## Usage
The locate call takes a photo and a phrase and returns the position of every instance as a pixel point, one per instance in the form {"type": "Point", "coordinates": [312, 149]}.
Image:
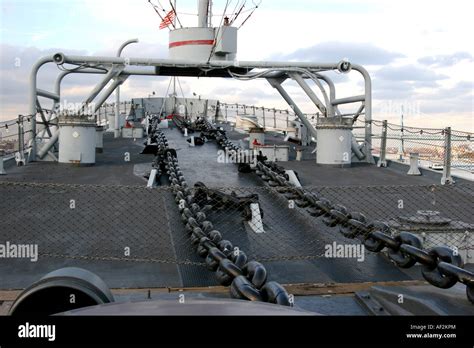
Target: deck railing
{"type": "Point", "coordinates": [443, 149]}
{"type": "Point", "coordinates": [437, 148]}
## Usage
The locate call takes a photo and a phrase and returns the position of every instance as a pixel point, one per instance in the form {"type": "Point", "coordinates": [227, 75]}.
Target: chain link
{"type": "Point", "coordinates": [247, 279]}
{"type": "Point", "coordinates": [122, 259]}
{"type": "Point", "coordinates": [442, 266]}
{"type": "Point", "coordinates": [405, 249]}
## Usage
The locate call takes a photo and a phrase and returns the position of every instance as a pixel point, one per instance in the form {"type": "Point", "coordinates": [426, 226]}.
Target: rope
{"type": "Point", "coordinates": [163, 104]}
{"type": "Point", "coordinates": [217, 33]}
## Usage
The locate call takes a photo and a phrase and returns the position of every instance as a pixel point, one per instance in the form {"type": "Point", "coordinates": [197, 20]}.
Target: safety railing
{"type": "Point", "coordinates": [107, 111]}
{"type": "Point", "coordinates": [270, 118]}
{"type": "Point", "coordinates": [446, 150]}
{"type": "Point", "coordinates": [15, 136]}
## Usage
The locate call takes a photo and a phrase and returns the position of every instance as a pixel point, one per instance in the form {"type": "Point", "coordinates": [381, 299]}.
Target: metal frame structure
{"type": "Point", "coordinates": [117, 92]}
{"type": "Point", "coordinates": [447, 178]}
{"type": "Point", "coordinates": [118, 69]}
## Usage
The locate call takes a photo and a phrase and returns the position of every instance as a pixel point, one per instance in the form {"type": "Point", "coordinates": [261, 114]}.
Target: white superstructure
{"type": "Point", "coordinates": [204, 42]}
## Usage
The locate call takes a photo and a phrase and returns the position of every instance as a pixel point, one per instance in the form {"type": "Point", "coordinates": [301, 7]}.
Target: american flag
{"type": "Point", "coordinates": [169, 18]}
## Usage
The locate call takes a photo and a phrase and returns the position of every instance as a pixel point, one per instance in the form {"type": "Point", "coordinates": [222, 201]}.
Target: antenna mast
{"type": "Point", "coordinates": [210, 14]}
{"type": "Point", "coordinates": [203, 14]}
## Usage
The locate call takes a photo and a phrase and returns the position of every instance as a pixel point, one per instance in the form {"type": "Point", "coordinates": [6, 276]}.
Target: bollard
{"type": "Point", "coordinates": [414, 164]}
{"type": "Point", "coordinates": [2, 168]}
{"type": "Point", "coordinates": [299, 154]}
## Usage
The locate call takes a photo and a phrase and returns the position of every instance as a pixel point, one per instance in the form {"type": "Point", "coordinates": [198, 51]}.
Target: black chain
{"type": "Point", "coordinates": [443, 267]}
{"type": "Point", "coordinates": [247, 279]}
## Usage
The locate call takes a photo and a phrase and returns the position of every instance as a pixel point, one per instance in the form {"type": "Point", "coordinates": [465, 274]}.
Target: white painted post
{"type": "Point", "coordinates": [152, 178]}
{"type": "Point", "coordinates": [256, 223]}
{"type": "Point", "coordinates": [292, 178]}
{"type": "Point", "coordinates": [299, 154]}
{"type": "Point", "coordinates": [383, 147]}
{"type": "Point", "coordinates": [447, 178]}
{"type": "Point", "coordinates": [2, 168]}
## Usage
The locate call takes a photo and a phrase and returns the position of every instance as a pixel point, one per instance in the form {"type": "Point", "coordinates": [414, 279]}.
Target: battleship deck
{"type": "Point", "coordinates": [114, 210]}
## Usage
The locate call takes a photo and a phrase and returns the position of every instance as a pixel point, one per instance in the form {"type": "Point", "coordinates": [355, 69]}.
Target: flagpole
{"type": "Point", "coordinates": [175, 14]}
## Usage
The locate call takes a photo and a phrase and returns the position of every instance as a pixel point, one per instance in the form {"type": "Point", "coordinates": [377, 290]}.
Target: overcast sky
{"type": "Point", "coordinates": [419, 53]}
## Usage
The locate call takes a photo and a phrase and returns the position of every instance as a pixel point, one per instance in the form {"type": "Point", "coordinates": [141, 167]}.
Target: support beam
{"type": "Point", "coordinates": [55, 136]}
{"type": "Point", "coordinates": [46, 94]}
{"type": "Point", "coordinates": [113, 72]}
{"type": "Point", "coordinates": [33, 94]}
{"type": "Point", "coordinates": [43, 118]}
{"type": "Point", "coordinates": [151, 67]}
{"type": "Point", "coordinates": [358, 112]}
{"type": "Point", "coordinates": [368, 110]}
{"type": "Point", "coordinates": [356, 149]}
{"type": "Point", "coordinates": [353, 99]}
{"type": "Point", "coordinates": [331, 110]}
{"type": "Point", "coordinates": [299, 79]}
{"type": "Point", "coordinates": [117, 92]}
{"type": "Point", "coordinates": [194, 64]}
{"type": "Point", "coordinates": [103, 97]}
{"type": "Point", "coordinates": [276, 83]}
{"type": "Point", "coordinates": [330, 83]}
{"type": "Point", "coordinates": [44, 150]}
{"type": "Point", "coordinates": [62, 75]}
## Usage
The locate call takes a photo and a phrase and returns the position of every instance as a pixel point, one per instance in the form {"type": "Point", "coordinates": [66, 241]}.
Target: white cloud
{"type": "Point", "coordinates": [333, 51]}
{"type": "Point", "coordinates": [444, 60]}
{"type": "Point", "coordinates": [404, 34]}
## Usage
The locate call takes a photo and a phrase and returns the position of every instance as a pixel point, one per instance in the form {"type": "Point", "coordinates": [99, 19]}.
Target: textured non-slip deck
{"type": "Point", "coordinates": [132, 236]}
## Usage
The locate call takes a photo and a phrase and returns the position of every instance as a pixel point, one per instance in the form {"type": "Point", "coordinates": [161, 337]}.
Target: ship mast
{"type": "Point", "coordinates": [203, 14]}
{"type": "Point", "coordinates": [174, 77]}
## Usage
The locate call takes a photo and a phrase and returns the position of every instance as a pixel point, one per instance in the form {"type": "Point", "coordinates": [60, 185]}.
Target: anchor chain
{"type": "Point", "coordinates": [443, 267]}
{"type": "Point", "coordinates": [247, 279]}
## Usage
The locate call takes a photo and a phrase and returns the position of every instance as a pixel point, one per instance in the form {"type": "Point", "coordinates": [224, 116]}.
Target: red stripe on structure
{"type": "Point", "coordinates": [191, 42]}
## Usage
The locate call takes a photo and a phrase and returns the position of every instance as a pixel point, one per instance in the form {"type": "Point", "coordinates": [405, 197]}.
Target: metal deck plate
{"type": "Point", "coordinates": [108, 219]}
